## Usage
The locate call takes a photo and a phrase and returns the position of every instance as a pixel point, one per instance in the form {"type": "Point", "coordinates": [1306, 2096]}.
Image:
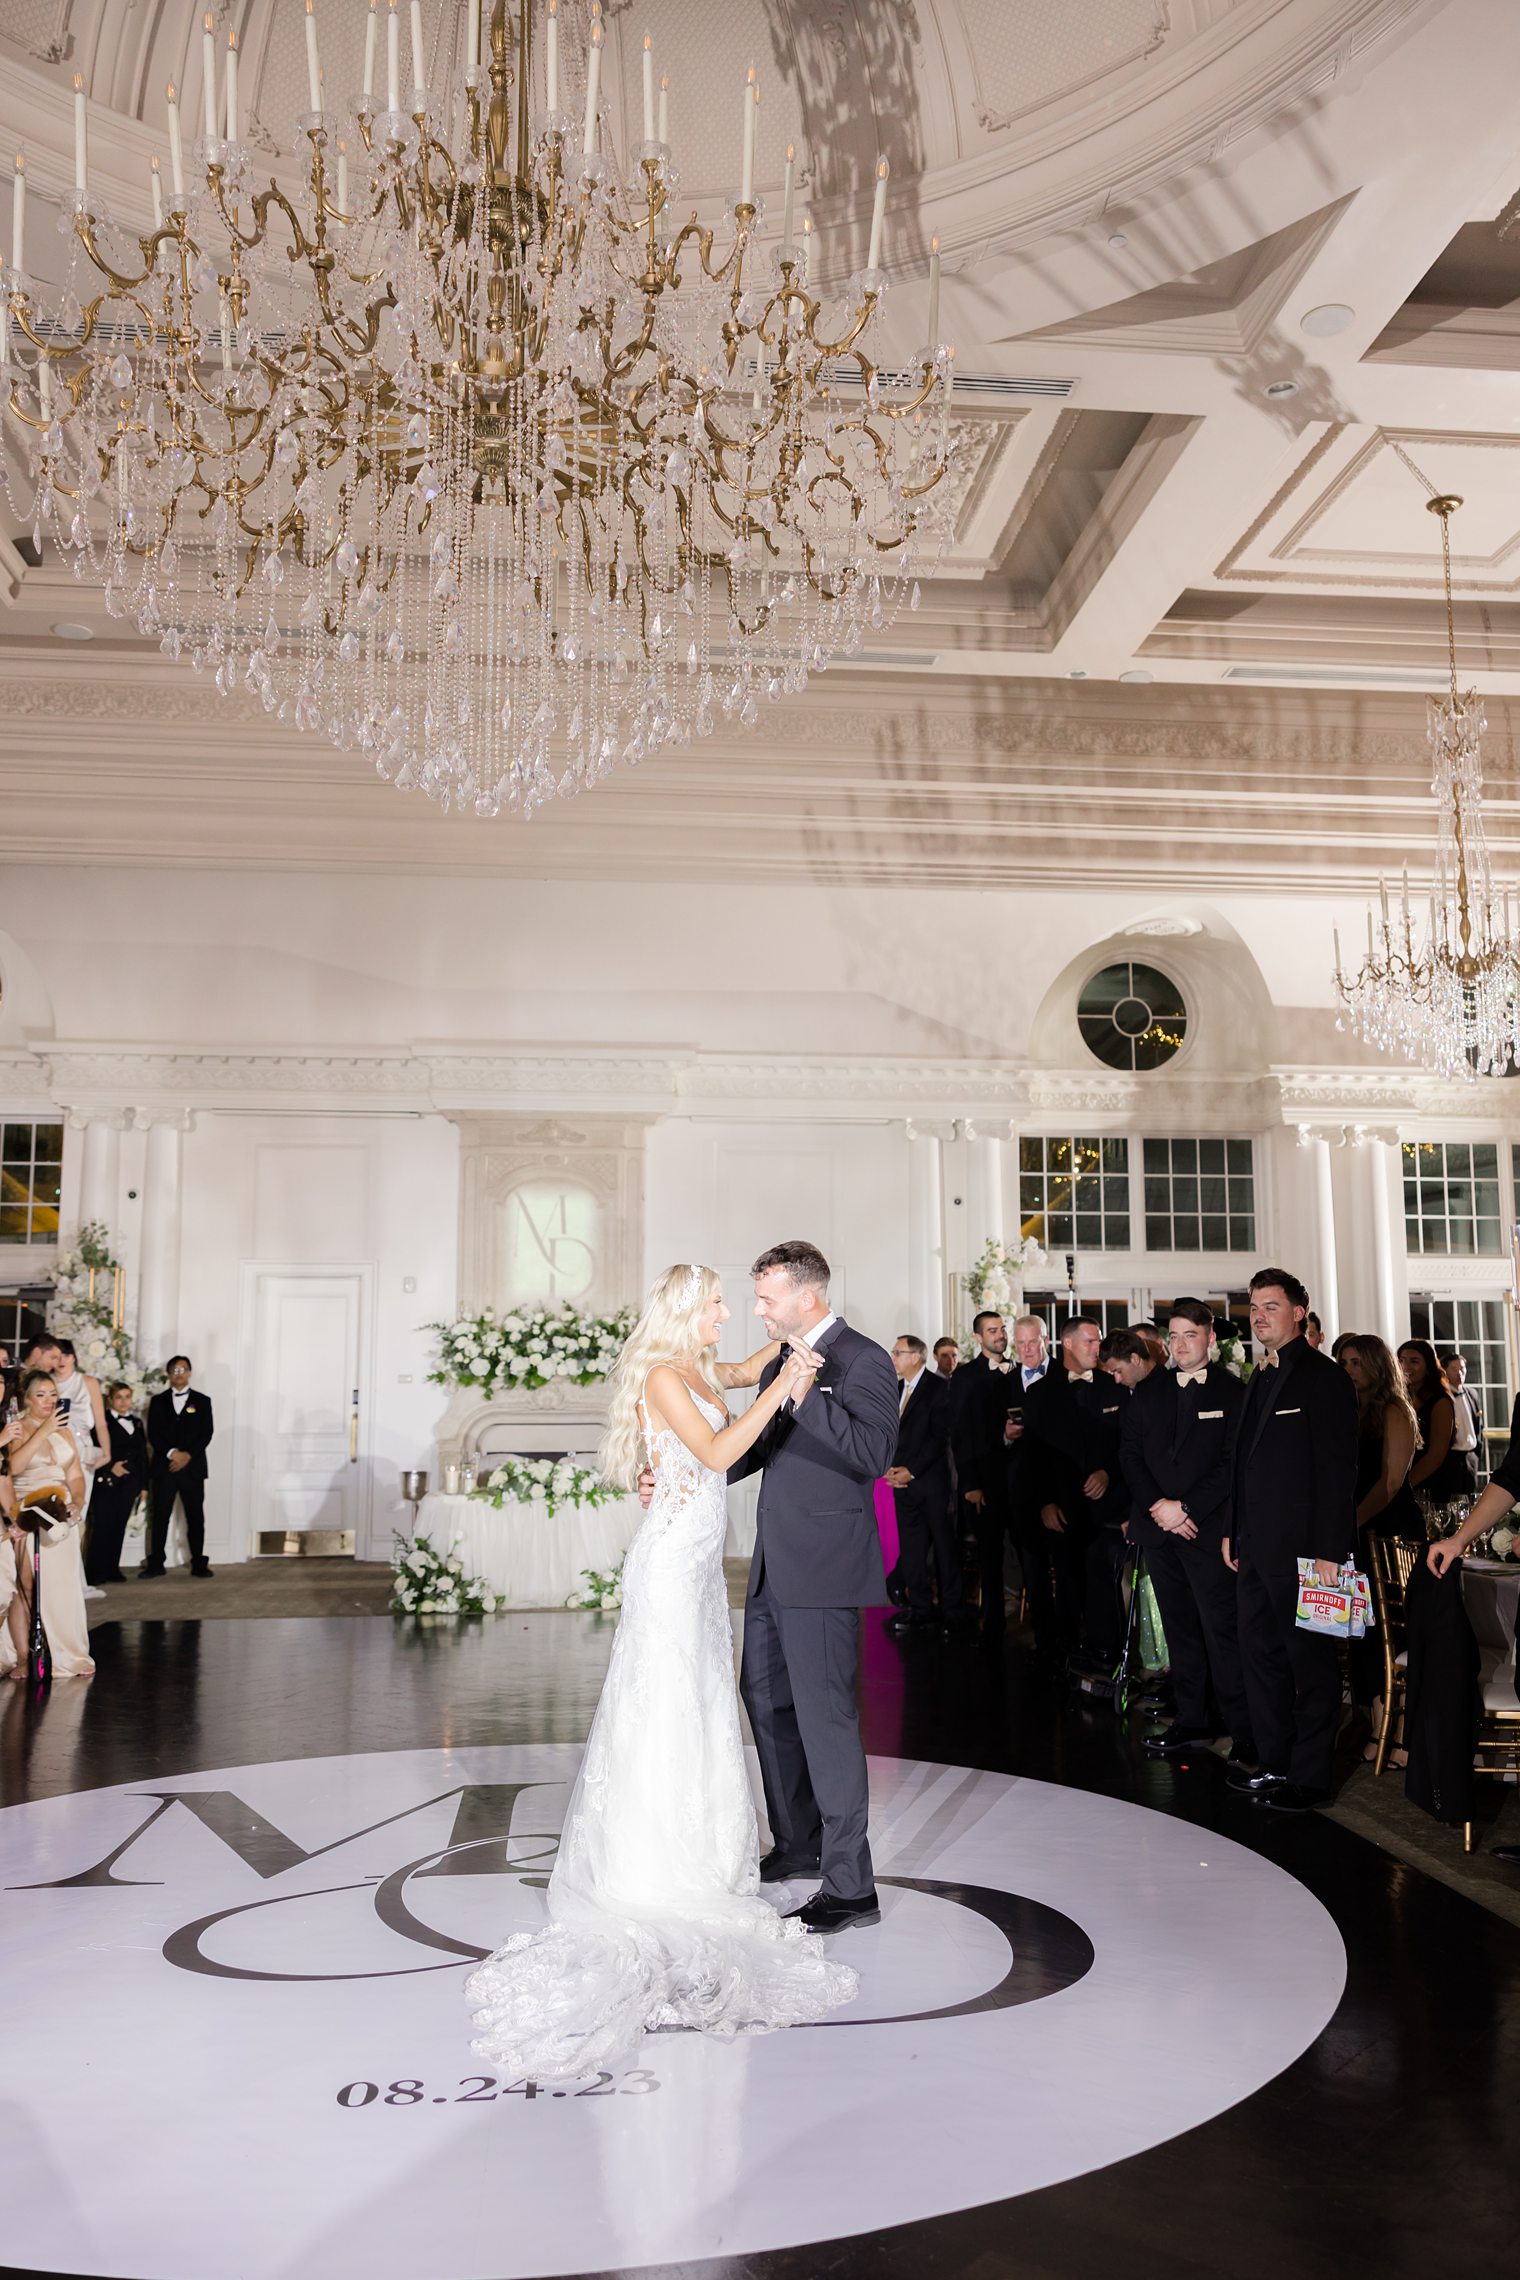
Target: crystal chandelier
{"type": "Point", "coordinates": [473, 456]}
{"type": "Point", "coordinates": [1451, 1002]}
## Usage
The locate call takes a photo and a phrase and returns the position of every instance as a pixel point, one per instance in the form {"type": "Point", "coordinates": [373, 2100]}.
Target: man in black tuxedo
{"type": "Point", "coordinates": [1175, 1450]}
{"type": "Point", "coordinates": [1073, 1417]}
{"type": "Point", "coordinates": [981, 1397]}
{"type": "Point", "coordinates": [817, 1563]}
{"type": "Point", "coordinates": [179, 1434]}
{"type": "Point", "coordinates": [919, 1477]}
{"type": "Point", "coordinates": [116, 1487]}
{"type": "Point", "coordinates": [1031, 1350]}
{"type": "Point", "coordinates": [1467, 1436]}
{"type": "Point", "coordinates": [1293, 1497]}
{"type": "Point", "coordinates": [947, 1358]}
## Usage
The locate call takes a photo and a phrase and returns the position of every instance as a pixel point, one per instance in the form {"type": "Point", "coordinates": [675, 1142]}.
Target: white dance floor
{"type": "Point", "coordinates": [237, 2047]}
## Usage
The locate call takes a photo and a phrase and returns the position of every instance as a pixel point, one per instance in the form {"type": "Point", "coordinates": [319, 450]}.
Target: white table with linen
{"type": "Point", "coordinates": [1491, 1597]}
{"type": "Point", "coordinates": [534, 1559]}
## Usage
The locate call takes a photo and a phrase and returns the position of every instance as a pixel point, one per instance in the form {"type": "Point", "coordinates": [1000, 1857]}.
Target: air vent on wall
{"type": "Point", "coordinates": [987, 387]}
{"type": "Point", "coordinates": [1331, 676]}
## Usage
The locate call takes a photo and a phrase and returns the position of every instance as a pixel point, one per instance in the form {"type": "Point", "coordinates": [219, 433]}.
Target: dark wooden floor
{"type": "Point", "coordinates": [1391, 2147]}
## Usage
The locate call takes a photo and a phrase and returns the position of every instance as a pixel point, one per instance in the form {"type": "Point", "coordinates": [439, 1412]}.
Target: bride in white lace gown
{"type": "Point", "coordinates": [656, 1917]}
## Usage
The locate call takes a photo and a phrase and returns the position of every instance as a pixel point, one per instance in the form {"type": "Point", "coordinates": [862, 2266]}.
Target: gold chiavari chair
{"type": "Point", "coordinates": [1391, 1564]}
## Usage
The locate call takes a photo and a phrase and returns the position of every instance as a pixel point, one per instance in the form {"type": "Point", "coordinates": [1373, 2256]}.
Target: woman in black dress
{"type": "Point", "coordinates": [1440, 1477]}
{"type": "Point", "coordinates": [1387, 1448]}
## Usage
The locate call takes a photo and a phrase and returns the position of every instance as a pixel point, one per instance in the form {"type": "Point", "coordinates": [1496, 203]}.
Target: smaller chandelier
{"type": "Point", "coordinates": [1450, 1000]}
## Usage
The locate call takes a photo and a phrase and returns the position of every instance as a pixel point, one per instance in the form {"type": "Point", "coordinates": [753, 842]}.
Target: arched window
{"type": "Point", "coordinates": [1132, 1016]}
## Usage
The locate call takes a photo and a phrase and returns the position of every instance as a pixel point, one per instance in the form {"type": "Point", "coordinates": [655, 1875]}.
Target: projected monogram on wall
{"type": "Point", "coordinates": [550, 1213]}
{"type": "Point", "coordinates": [1048, 1951]}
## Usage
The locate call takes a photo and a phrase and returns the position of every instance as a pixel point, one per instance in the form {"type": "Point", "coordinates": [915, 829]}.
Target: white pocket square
{"type": "Point", "coordinates": [1287, 1413]}
{"type": "Point", "coordinates": [1203, 1413]}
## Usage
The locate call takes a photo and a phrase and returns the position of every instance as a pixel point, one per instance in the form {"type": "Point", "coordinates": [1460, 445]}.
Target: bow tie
{"type": "Point", "coordinates": [1002, 1368]}
{"type": "Point", "coordinates": [1192, 1377]}
{"type": "Point", "coordinates": [1080, 1377]}
{"type": "Point", "coordinates": [1269, 1361]}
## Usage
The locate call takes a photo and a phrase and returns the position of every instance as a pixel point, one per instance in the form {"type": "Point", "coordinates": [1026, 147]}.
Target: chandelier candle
{"type": "Point", "coordinates": [314, 61]}
{"type": "Point", "coordinates": [648, 89]}
{"type": "Point", "coordinates": [80, 138]}
{"type": "Point", "coordinates": [18, 214]}
{"type": "Point", "coordinates": [419, 76]}
{"type": "Point", "coordinates": [501, 471]}
{"type": "Point", "coordinates": [176, 150]}
{"type": "Point", "coordinates": [208, 74]}
{"type": "Point", "coordinates": [156, 184]}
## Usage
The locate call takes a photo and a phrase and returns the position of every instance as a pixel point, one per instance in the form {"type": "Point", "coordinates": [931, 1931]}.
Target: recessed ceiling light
{"type": "Point", "coordinates": [1118, 240]}
{"type": "Point", "coordinates": [67, 629]}
{"type": "Point", "coordinates": [1329, 318]}
{"type": "Point", "coordinates": [1138, 675]}
{"type": "Point", "coordinates": [1077, 673]}
{"type": "Point", "coordinates": [1281, 388]}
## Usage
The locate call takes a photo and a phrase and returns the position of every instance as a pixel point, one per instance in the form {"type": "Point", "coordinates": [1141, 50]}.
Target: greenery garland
{"type": "Point", "coordinates": [528, 1348]}
{"type": "Point", "coordinates": [550, 1481]}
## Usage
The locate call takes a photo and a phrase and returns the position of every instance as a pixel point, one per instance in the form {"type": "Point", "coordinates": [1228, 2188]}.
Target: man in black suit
{"type": "Point", "coordinates": [1031, 1361]}
{"type": "Point", "coordinates": [179, 1434]}
{"type": "Point", "coordinates": [1072, 1417]}
{"type": "Point", "coordinates": [1293, 1497]}
{"type": "Point", "coordinates": [947, 1358]}
{"type": "Point", "coordinates": [117, 1485]}
{"type": "Point", "coordinates": [981, 1397]}
{"type": "Point", "coordinates": [1467, 1435]}
{"type": "Point", "coordinates": [1175, 1450]}
{"type": "Point", "coordinates": [919, 1477]}
{"type": "Point", "coordinates": [817, 1563]}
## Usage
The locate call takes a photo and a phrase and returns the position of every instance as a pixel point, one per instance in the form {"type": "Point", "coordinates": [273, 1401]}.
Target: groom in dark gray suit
{"type": "Point", "coordinates": [817, 1563]}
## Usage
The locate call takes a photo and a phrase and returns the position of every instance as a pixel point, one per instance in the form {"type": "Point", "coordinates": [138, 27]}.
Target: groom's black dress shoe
{"type": "Point", "coordinates": [777, 1869]}
{"type": "Point", "coordinates": [822, 1914]}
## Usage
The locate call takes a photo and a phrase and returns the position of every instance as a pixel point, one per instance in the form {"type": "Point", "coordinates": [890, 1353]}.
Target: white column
{"type": "Point", "coordinates": [987, 1156]}
{"type": "Point", "coordinates": [926, 1234]}
{"type": "Point", "coordinates": [1303, 1233]}
{"type": "Point", "coordinates": [1323, 1279]}
{"type": "Point", "coordinates": [1390, 1241]}
{"type": "Point", "coordinates": [158, 1290]}
{"type": "Point", "coordinates": [100, 1170]}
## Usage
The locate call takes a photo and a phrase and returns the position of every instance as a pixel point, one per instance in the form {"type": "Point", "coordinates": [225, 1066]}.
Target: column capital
{"type": "Point", "coordinates": [928, 1128]}
{"type": "Point", "coordinates": [173, 1119]}
{"type": "Point", "coordinates": [112, 1119]}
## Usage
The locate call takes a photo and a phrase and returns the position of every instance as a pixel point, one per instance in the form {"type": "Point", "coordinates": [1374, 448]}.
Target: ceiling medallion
{"type": "Point", "coordinates": [1451, 1000]}
{"type": "Point", "coordinates": [471, 455]}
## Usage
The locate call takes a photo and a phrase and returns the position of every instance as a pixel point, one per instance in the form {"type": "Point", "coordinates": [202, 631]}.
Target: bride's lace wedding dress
{"type": "Point", "coordinates": [655, 1912]}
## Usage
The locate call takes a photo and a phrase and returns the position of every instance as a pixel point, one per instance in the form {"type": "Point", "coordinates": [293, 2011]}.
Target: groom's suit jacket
{"type": "Point", "coordinates": [816, 1541]}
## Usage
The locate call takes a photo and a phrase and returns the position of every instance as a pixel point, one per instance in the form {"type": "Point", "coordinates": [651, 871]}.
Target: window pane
{"type": "Point", "coordinates": [1239, 1155]}
{"type": "Point", "coordinates": [1156, 1155]}
{"type": "Point", "coordinates": [1242, 1234]}
{"type": "Point", "coordinates": [1118, 1240]}
{"type": "Point", "coordinates": [13, 1218]}
{"type": "Point", "coordinates": [1213, 1232]}
{"type": "Point", "coordinates": [1158, 1234]}
{"type": "Point", "coordinates": [49, 1143]}
{"type": "Point", "coordinates": [1211, 1155]}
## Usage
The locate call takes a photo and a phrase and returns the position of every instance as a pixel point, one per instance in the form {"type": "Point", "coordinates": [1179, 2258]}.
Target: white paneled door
{"type": "Point", "coordinates": [303, 1382]}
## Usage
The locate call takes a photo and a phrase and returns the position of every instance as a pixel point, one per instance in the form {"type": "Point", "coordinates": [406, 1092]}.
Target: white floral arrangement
{"type": "Point", "coordinates": [83, 1307]}
{"type": "Point", "coordinates": [994, 1280]}
{"type": "Point", "coordinates": [1504, 1542]}
{"type": "Point", "coordinates": [598, 1590]}
{"type": "Point", "coordinates": [430, 1582]}
{"type": "Point", "coordinates": [1230, 1352]}
{"type": "Point", "coordinates": [528, 1348]}
{"type": "Point", "coordinates": [549, 1481]}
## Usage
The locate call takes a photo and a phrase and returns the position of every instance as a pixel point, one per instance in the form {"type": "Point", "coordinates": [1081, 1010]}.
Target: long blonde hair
{"type": "Point", "coordinates": [666, 1331]}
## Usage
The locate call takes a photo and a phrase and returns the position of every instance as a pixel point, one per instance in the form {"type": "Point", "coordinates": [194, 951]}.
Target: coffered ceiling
{"type": "Point", "coordinates": [1234, 287]}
